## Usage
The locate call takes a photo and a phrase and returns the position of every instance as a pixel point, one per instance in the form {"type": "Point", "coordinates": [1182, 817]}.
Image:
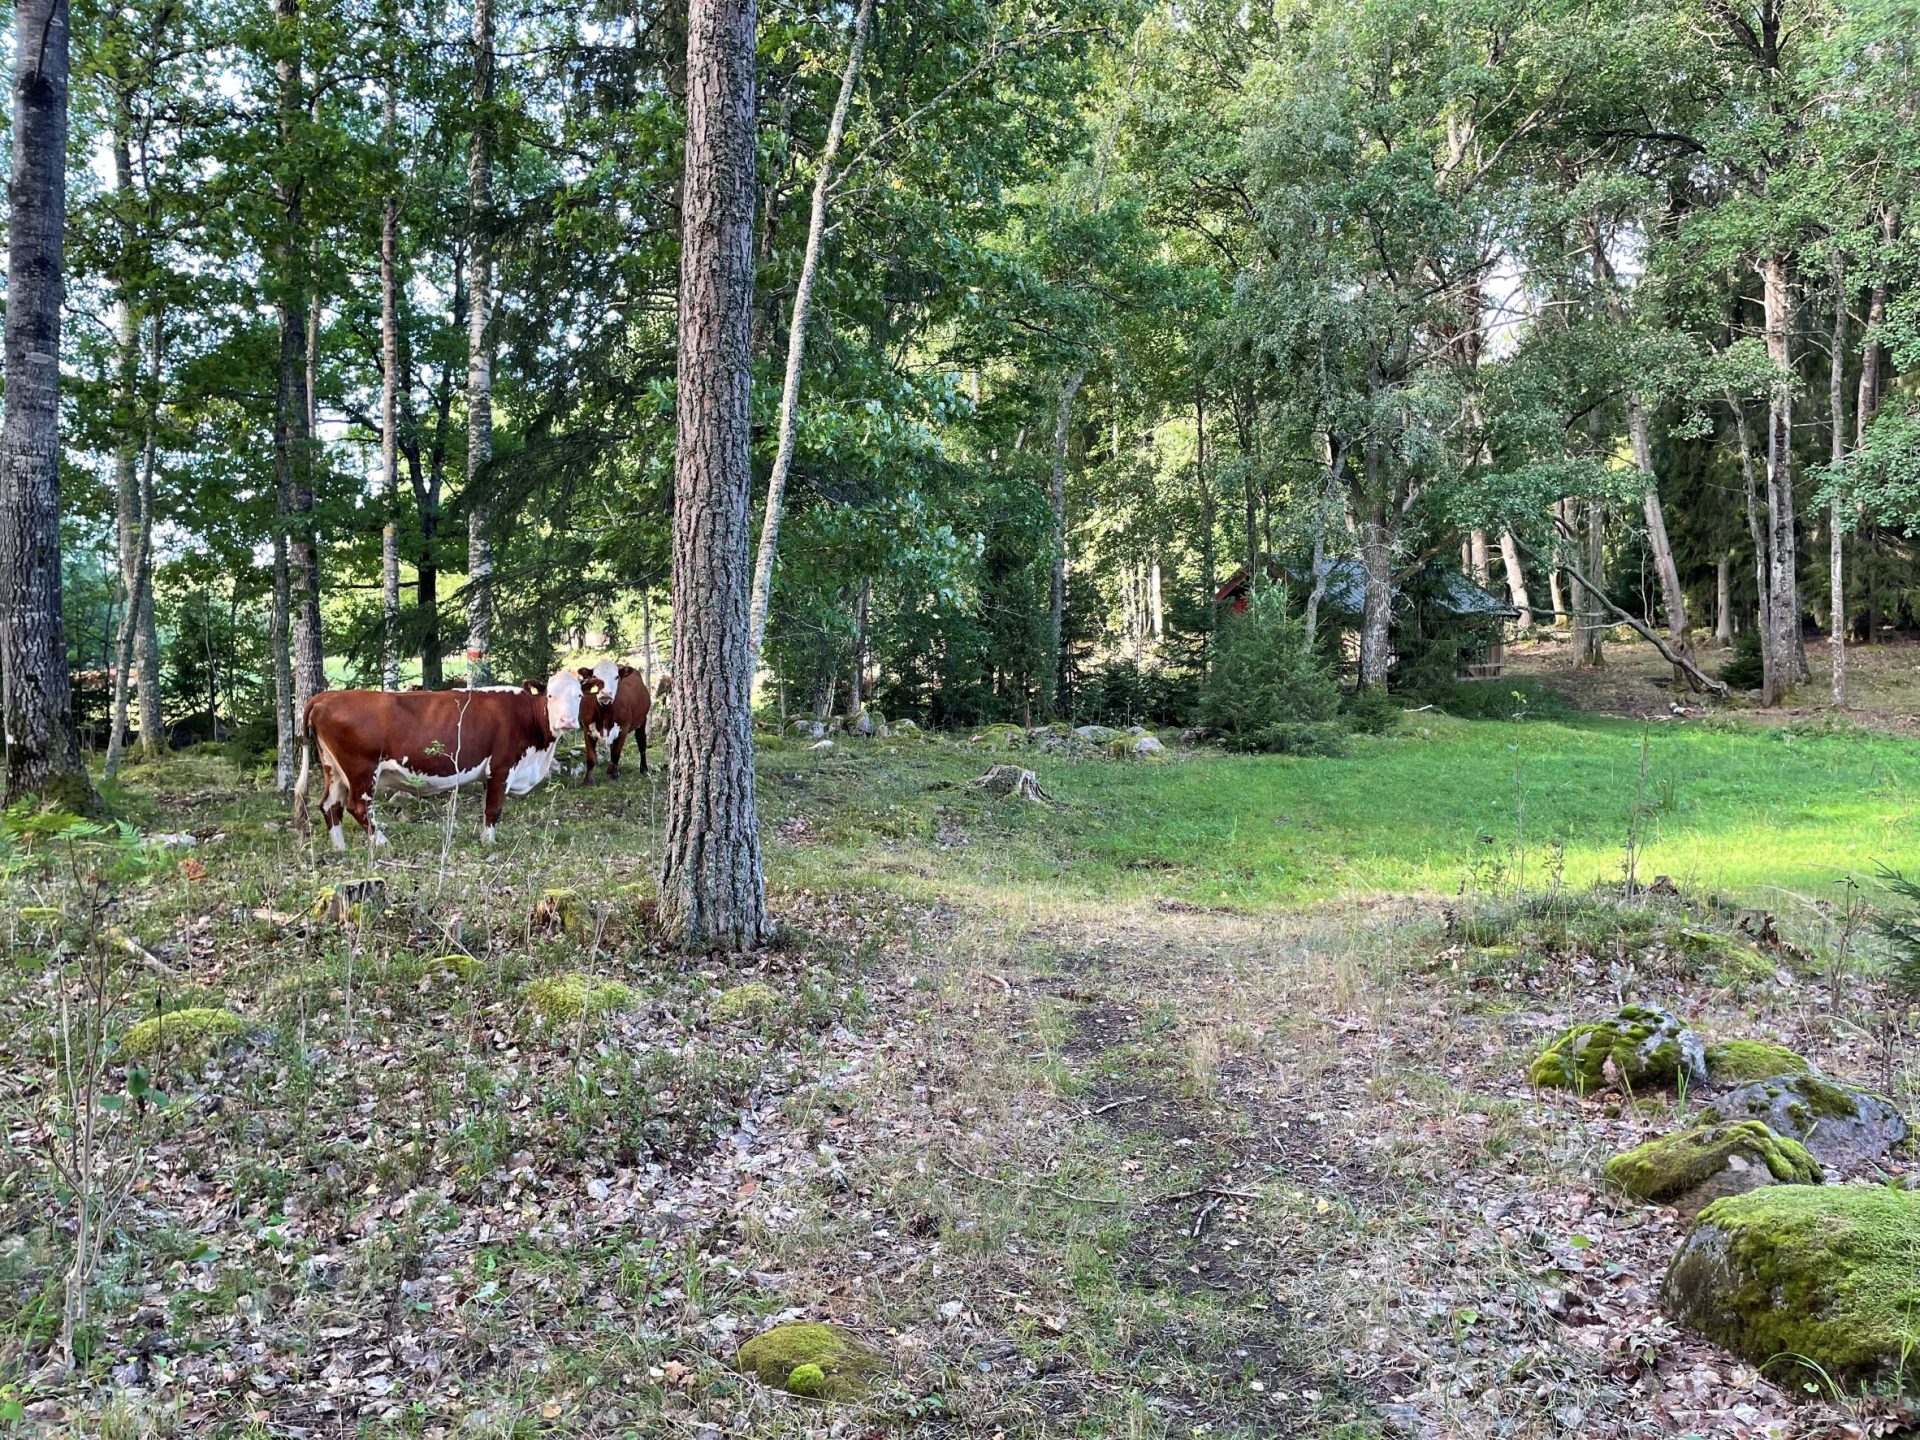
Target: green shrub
{"type": "Point", "coordinates": [1504, 699]}
{"type": "Point", "coordinates": [1267, 692]}
{"type": "Point", "coordinates": [1369, 710]}
{"type": "Point", "coordinates": [1745, 670]}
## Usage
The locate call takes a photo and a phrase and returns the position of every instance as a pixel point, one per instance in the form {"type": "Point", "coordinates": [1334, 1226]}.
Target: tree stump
{"type": "Point", "coordinates": [1012, 780]}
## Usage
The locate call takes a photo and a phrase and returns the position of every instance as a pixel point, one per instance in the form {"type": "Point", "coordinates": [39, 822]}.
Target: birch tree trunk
{"type": "Point", "coordinates": [390, 395]}
{"type": "Point", "coordinates": [1673, 596]}
{"type": "Point", "coordinates": [1477, 557]}
{"type": "Point", "coordinates": [1757, 532]}
{"type": "Point", "coordinates": [1556, 596]}
{"type": "Point", "coordinates": [128, 529]}
{"type": "Point", "coordinates": [1329, 499]}
{"type": "Point", "coordinates": [1516, 579]}
{"type": "Point", "coordinates": [1376, 560]}
{"type": "Point", "coordinates": [712, 895]}
{"type": "Point", "coordinates": [1057, 589]}
{"type": "Point", "coordinates": [1591, 627]}
{"type": "Point", "coordinates": [1836, 514]}
{"type": "Point", "coordinates": [480, 348]}
{"type": "Point", "coordinates": [129, 646]}
{"type": "Point", "coordinates": [43, 747]}
{"type": "Point", "coordinates": [1723, 601]}
{"type": "Point", "coordinates": [1783, 580]}
{"type": "Point", "coordinates": [797, 337]}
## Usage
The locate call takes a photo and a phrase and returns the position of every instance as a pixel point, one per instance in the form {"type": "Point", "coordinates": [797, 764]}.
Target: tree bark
{"type": "Point", "coordinates": [1477, 564]}
{"type": "Point", "coordinates": [390, 387]}
{"type": "Point", "coordinates": [1555, 596]}
{"type": "Point", "coordinates": [711, 891]}
{"type": "Point", "coordinates": [1836, 515]}
{"type": "Point", "coordinates": [1376, 560]}
{"type": "Point", "coordinates": [1756, 531]}
{"type": "Point", "coordinates": [1057, 589]}
{"type": "Point", "coordinates": [480, 348]}
{"type": "Point", "coordinates": [1209, 575]}
{"type": "Point", "coordinates": [1673, 595]}
{"type": "Point", "coordinates": [1516, 579]}
{"type": "Point", "coordinates": [1783, 580]}
{"type": "Point", "coordinates": [43, 747]}
{"type": "Point", "coordinates": [797, 336]}
{"type": "Point", "coordinates": [1723, 601]}
{"type": "Point", "coordinates": [1329, 498]}
{"type": "Point", "coordinates": [133, 647]}
{"type": "Point", "coordinates": [1591, 629]}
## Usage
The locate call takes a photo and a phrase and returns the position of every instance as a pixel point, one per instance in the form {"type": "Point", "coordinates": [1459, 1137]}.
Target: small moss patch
{"type": "Point", "coordinates": [557, 999]}
{"type": "Point", "coordinates": [1735, 1062]}
{"type": "Point", "coordinates": [809, 1358]}
{"type": "Point", "coordinates": [1793, 1274]}
{"type": "Point", "coordinates": [187, 1036]}
{"type": "Point", "coordinates": [751, 1003]}
{"type": "Point", "coordinates": [1674, 1164]}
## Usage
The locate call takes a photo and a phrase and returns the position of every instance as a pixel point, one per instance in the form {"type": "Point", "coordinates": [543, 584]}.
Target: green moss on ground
{"type": "Point", "coordinates": [809, 1358]}
{"type": "Point", "coordinates": [1735, 1062]}
{"type": "Point", "coordinates": [751, 1003]}
{"type": "Point", "coordinates": [1674, 1164]}
{"type": "Point", "coordinates": [1793, 1274]}
{"type": "Point", "coordinates": [557, 999]}
{"type": "Point", "coordinates": [1000, 737]}
{"type": "Point", "coordinates": [188, 1037]}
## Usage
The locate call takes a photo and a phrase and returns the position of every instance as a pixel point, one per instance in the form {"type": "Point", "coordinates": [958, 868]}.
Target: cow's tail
{"type": "Point", "coordinates": [305, 741]}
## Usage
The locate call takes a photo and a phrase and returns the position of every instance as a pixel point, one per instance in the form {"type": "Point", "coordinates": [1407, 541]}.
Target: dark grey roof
{"type": "Point", "coordinates": [1346, 587]}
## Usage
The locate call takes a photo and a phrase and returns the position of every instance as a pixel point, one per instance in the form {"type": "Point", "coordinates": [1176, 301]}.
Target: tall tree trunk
{"type": "Point", "coordinates": [480, 348]}
{"type": "Point", "coordinates": [1757, 532]}
{"type": "Point", "coordinates": [1673, 595]}
{"type": "Point", "coordinates": [1591, 628]}
{"type": "Point", "coordinates": [1477, 564]}
{"type": "Point", "coordinates": [43, 747]}
{"type": "Point", "coordinates": [1783, 580]}
{"type": "Point", "coordinates": [1556, 596]}
{"type": "Point", "coordinates": [390, 389]}
{"type": "Point", "coordinates": [279, 644]}
{"type": "Point", "coordinates": [1376, 560]}
{"type": "Point", "coordinates": [857, 686]}
{"type": "Point", "coordinates": [1209, 574]}
{"type": "Point", "coordinates": [797, 335]}
{"type": "Point", "coordinates": [712, 895]}
{"type": "Point", "coordinates": [1836, 515]}
{"type": "Point", "coordinates": [1723, 600]}
{"type": "Point", "coordinates": [1323, 517]}
{"type": "Point", "coordinates": [1516, 579]}
{"type": "Point", "coordinates": [1057, 589]}
{"type": "Point", "coordinates": [129, 530]}
{"type": "Point", "coordinates": [132, 648]}
{"type": "Point", "coordinates": [1867, 405]}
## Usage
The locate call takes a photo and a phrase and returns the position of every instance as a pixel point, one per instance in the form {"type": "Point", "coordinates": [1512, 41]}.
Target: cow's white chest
{"type": "Point", "coordinates": [530, 769]}
{"type": "Point", "coordinates": [610, 734]}
{"type": "Point", "coordinates": [399, 775]}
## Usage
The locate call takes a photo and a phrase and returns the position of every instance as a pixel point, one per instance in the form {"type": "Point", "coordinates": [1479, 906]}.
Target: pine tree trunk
{"type": "Point", "coordinates": [797, 335]}
{"type": "Point", "coordinates": [43, 747]}
{"type": "Point", "coordinates": [1836, 517]}
{"type": "Point", "coordinates": [1057, 588]}
{"type": "Point", "coordinates": [1783, 580]}
{"type": "Point", "coordinates": [480, 349]}
{"type": "Point", "coordinates": [390, 402]}
{"type": "Point", "coordinates": [1673, 595]}
{"type": "Point", "coordinates": [126, 489]}
{"type": "Point", "coordinates": [712, 895]}
{"type": "Point", "coordinates": [1516, 579]}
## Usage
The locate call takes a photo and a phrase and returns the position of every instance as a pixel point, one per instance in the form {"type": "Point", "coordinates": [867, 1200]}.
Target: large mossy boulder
{"type": "Point", "coordinates": [1693, 1168]}
{"type": "Point", "coordinates": [808, 1358]}
{"type": "Point", "coordinates": [1844, 1128]}
{"type": "Point", "coordinates": [1796, 1276]}
{"type": "Point", "coordinates": [1736, 1062]}
{"type": "Point", "coordinates": [1641, 1046]}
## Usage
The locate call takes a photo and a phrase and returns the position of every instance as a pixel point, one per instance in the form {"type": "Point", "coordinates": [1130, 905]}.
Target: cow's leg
{"type": "Point", "coordinates": [334, 790]}
{"type": "Point", "coordinates": [586, 737]}
{"type": "Point", "coordinates": [640, 733]}
{"type": "Point", "coordinates": [360, 806]}
{"type": "Point", "coordinates": [496, 801]}
{"type": "Point", "coordinates": [613, 755]}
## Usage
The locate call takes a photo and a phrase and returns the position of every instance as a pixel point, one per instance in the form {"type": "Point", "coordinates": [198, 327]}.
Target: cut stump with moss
{"type": "Point", "coordinates": [1846, 1129]}
{"type": "Point", "coordinates": [752, 1003]}
{"type": "Point", "coordinates": [813, 1359]}
{"type": "Point", "coordinates": [186, 1037]}
{"type": "Point", "coordinates": [1795, 1277]}
{"type": "Point", "coordinates": [1693, 1168]}
{"type": "Point", "coordinates": [1640, 1046]}
{"type": "Point", "coordinates": [1736, 1062]}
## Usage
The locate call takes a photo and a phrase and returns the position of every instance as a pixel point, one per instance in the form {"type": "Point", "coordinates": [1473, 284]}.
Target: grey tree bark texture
{"type": "Point", "coordinates": [1516, 579]}
{"type": "Point", "coordinates": [43, 747]}
{"type": "Point", "coordinates": [133, 648]}
{"type": "Point", "coordinates": [1837, 515]}
{"type": "Point", "coordinates": [712, 895]}
{"type": "Point", "coordinates": [1673, 595]}
{"type": "Point", "coordinates": [797, 334]}
{"type": "Point", "coordinates": [1057, 501]}
{"type": "Point", "coordinates": [1783, 581]}
{"type": "Point", "coordinates": [390, 405]}
{"type": "Point", "coordinates": [480, 348]}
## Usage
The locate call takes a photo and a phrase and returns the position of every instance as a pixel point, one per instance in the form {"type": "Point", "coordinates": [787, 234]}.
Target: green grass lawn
{"type": "Point", "coordinates": [1740, 811]}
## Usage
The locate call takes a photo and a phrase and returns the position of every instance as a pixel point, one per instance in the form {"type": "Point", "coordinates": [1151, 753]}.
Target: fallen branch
{"type": "Point", "coordinates": [1700, 678]}
{"type": "Point", "coordinates": [1115, 1105]}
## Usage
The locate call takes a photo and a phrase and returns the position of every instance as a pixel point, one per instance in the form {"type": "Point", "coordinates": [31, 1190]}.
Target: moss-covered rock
{"type": "Point", "coordinates": [454, 967]}
{"type": "Point", "coordinates": [1640, 1046]}
{"type": "Point", "coordinates": [999, 737]}
{"type": "Point", "coordinates": [1795, 1276]}
{"type": "Point", "coordinates": [1694, 1167]}
{"type": "Point", "coordinates": [1844, 1128]}
{"type": "Point", "coordinates": [751, 1003]}
{"type": "Point", "coordinates": [809, 1358]}
{"type": "Point", "coordinates": [558, 999]}
{"type": "Point", "coordinates": [186, 1037]}
{"type": "Point", "coordinates": [353, 902]}
{"type": "Point", "coordinates": [1735, 1062]}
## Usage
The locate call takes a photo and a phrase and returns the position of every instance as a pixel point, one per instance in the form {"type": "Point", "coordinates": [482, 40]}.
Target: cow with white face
{"type": "Point", "coordinates": [431, 742]}
{"type": "Point", "coordinates": [614, 716]}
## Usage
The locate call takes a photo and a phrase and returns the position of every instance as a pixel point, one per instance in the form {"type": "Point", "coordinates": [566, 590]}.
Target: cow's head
{"type": "Point", "coordinates": [595, 685]}
{"type": "Point", "coordinates": [565, 693]}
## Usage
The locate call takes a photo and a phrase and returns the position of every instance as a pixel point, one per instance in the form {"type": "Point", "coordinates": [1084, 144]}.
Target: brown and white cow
{"type": "Point", "coordinates": [619, 714]}
{"type": "Point", "coordinates": [432, 741]}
